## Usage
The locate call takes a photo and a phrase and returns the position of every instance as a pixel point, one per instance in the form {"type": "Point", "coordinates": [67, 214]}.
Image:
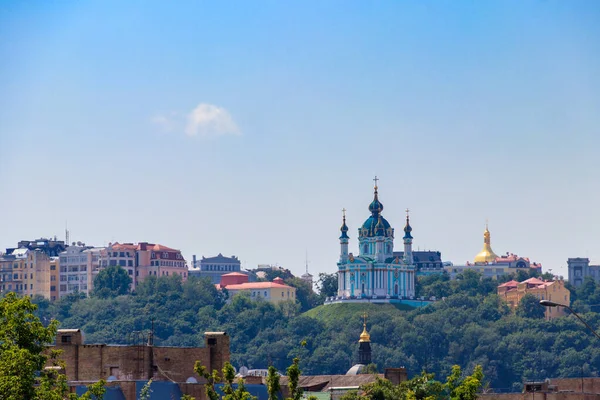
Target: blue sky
{"type": "Point", "coordinates": [245, 127]}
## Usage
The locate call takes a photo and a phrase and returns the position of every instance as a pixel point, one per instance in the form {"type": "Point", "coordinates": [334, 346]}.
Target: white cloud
{"type": "Point", "coordinates": [207, 119]}
{"type": "Point", "coordinates": [168, 122]}
{"type": "Point", "coordinates": [204, 120]}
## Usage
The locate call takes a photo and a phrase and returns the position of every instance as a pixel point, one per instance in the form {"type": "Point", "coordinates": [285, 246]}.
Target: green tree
{"type": "Point", "coordinates": [112, 281]}
{"type": "Point", "coordinates": [23, 356]}
{"type": "Point", "coordinates": [529, 307]}
{"type": "Point", "coordinates": [23, 339]}
{"type": "Point", "coordinates": [304, 294]}
{"type": "Point", "coordinates": [273, 385]}
{"type": "Point", "coordinates": [327, 285]}
{"type": "Point", "coordinates": [293, 373]}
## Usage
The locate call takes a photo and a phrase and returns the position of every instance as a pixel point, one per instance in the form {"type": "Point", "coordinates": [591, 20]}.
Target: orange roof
{"type": "Point", "coordinates": [256, 285]}
{"type": "Point", "coordinates": [533, 281]}
{"type": "Point", "coordinates": [234, 274]}
{"type": "Point", "coordinates": [150, 246]}
{"type": "Point", "coordinates": [509, 284]}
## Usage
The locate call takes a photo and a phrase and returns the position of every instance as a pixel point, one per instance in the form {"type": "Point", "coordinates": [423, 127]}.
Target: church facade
{"type": "Point", "coordinates": [375, 273]}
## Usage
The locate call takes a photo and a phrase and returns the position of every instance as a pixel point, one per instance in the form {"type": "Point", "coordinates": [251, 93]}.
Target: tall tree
{"type": "Point", "coordinates": [273, 385]}
{"type": "Point", "coordinates": [327, 285]}
{"type": "Point", "coordinates": [529, 307]}
{"type": "Point", "coordinates": [112, 281]}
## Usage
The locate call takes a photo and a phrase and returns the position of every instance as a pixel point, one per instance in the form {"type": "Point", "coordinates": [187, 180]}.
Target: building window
{"type": "Point", "coordinates": [265, 293]}
{"type": "Point", "coordinates": [53, 268]}
{"type": "Point", "coordinates": [65, 339]}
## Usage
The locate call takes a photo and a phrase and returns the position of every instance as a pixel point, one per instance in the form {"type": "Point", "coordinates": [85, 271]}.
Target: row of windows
{"type": "Point", "coordinates": [219, 267]}
{"type": "Point", "coordinates": [167, 263]}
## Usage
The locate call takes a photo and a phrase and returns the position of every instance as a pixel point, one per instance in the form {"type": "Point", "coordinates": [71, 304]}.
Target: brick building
{"type": "Point", "coordinates": [121, 364]}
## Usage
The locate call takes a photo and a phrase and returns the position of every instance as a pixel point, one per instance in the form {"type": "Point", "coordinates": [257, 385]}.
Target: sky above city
{"type": "Point", "coordinates": [244, 128]}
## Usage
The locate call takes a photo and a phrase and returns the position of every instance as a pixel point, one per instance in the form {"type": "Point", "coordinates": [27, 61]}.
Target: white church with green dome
{"type": "Point", "coordinates": [375, 275]}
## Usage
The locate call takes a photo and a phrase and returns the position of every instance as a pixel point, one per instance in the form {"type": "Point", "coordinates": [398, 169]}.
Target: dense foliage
{"type": "Point", "coordinates": [470, 326]}
{"type": "Point", "coordinates": [112, 281]}
{"type": "Point", "coordinates": [423, 387]}
{"type": "Point", "coordinates": [24, 356]}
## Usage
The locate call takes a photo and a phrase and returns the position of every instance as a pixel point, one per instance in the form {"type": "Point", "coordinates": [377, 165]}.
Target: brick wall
{"type": "Point", "coordinates": [91, 362]}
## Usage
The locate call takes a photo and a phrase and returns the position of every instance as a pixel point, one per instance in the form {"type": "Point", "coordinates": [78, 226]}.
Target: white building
{"type": "Point", "coordinates": [79, 265]}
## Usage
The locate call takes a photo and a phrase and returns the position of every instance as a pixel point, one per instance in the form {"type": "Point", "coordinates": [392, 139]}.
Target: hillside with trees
{"type": "Point", "coordinates": [470, 326]}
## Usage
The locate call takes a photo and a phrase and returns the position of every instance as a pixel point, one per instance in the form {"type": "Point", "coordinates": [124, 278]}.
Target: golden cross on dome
{"type": "Point", "coordinates": [407, 211]}
{"type": "Point", "coordinates": [344, 212]}
{"type": "Point", "coordinates": [365, 315]}
{"type": "Point", "coordinates": [376, 179]}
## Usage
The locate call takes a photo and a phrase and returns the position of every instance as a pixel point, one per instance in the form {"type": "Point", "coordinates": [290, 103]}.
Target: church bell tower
{"type": "Point", "coordinates": [364, 344]}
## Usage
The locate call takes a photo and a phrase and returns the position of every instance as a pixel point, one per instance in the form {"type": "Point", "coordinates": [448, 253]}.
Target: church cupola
{"type": "Point", "coordinates": [407, 228]}
{"type": "Point", "coordinates": [376, 207]}
{"type": "Point", "coordinates": [344, 228]}
{"type": "Point", "coordinates": [486, 255]}
{"type": "Point", "coordinates": [364, 344]}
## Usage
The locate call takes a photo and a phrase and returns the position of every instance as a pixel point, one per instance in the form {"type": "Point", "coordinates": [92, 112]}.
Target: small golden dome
{"type": "Point", "coordinates": [487, 254]}
{"type": "Point", "coordinates": [364, 336]}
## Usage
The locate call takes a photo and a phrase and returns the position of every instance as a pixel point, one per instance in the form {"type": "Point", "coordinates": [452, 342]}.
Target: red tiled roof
{"type": "Point", "coordinates": [533, 281]}
{"type": "Point", "coordinates": [509, 284]}
{"type": "Point", "coordinates": [149, 246]}
{"type": "Point", "coordinates": [256, 285]}
{"type": "Point", "coordinates": [234, 274]}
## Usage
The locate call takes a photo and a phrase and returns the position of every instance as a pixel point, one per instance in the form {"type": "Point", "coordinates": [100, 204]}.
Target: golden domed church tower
{"type": "Point", "coordinates": [486, 255]}
{"type": "Point", "coordinates": [364, 345]}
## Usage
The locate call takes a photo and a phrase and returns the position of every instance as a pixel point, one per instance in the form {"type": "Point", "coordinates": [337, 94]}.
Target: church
{"type": "Point", "coordinates": [375, 274]}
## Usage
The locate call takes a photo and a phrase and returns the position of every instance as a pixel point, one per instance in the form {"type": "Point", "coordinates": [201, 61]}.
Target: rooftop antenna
{"type": "Point", "coordinates": [306, 261]}
{"type": "Point", "coordinates": [66, 233]}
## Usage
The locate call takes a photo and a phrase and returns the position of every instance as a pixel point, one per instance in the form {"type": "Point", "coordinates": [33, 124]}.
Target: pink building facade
{"type": "Point", "coordinates": [145, 259]}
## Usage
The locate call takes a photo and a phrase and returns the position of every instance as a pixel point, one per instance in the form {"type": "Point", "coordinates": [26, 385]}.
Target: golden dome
{"type": "Point", "coordinates": [487, 254]}
{"type": "Point", "coordinates": [364, 336]}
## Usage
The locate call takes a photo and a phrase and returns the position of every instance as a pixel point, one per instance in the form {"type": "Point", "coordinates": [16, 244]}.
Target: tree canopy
{"type": "Point", "coordinates": [112, 281]}
{"type": "Point", "coordinates": [24, 355]}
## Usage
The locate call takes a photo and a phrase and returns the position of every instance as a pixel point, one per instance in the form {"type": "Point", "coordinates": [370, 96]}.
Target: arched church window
{"type": "Point", "coordinates": [366, 248]}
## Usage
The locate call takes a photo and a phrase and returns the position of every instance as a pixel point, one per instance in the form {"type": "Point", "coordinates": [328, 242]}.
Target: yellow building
{"type": "Point", "coordinates": [274, 292]}
{"type": "Point", "coordinates": [512, 292]}
{"type": "Point", "coordinates": [54, 277]}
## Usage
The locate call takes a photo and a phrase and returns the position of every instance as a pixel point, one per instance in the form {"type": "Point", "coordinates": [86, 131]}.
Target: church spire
{"type": "Point", "coordinates": [344, 227]}
{"type": "Point", "coordinates": [364, 336]}
{"type": "Point", "coordinates": [376, 207]}
{"type": "Point", "coordinates": [407, 227]}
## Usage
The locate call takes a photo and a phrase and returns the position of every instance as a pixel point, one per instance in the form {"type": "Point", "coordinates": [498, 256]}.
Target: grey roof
{"type": "Point", "coordinates": [220, 259]}
{"type": "Point", "coordinates": [320, 383]}
{"type": "Point", "coordinates": [422, 256]}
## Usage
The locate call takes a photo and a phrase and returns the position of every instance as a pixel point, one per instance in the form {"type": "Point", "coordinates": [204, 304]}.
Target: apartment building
{"type": "Point", "coordinates": [145, 259]}
{"type": "Point", "coordinates": [79, 264]}
{"type": "Point", "coordinates": [512, 292]}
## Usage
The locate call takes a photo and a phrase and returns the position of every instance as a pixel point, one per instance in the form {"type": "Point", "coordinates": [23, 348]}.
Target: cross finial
{"type": "Point", "coordinates": [365, 315]}
{"type": "Point", "coordinates": [407, 212]}
{"type": "Point", "coordinates": [344, 213]}
{"type": "Point", "coordinates": [376, 179]}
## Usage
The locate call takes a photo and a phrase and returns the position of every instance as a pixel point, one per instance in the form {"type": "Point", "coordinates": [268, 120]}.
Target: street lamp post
{"type": "Point", "coordinates": [548, 303]}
